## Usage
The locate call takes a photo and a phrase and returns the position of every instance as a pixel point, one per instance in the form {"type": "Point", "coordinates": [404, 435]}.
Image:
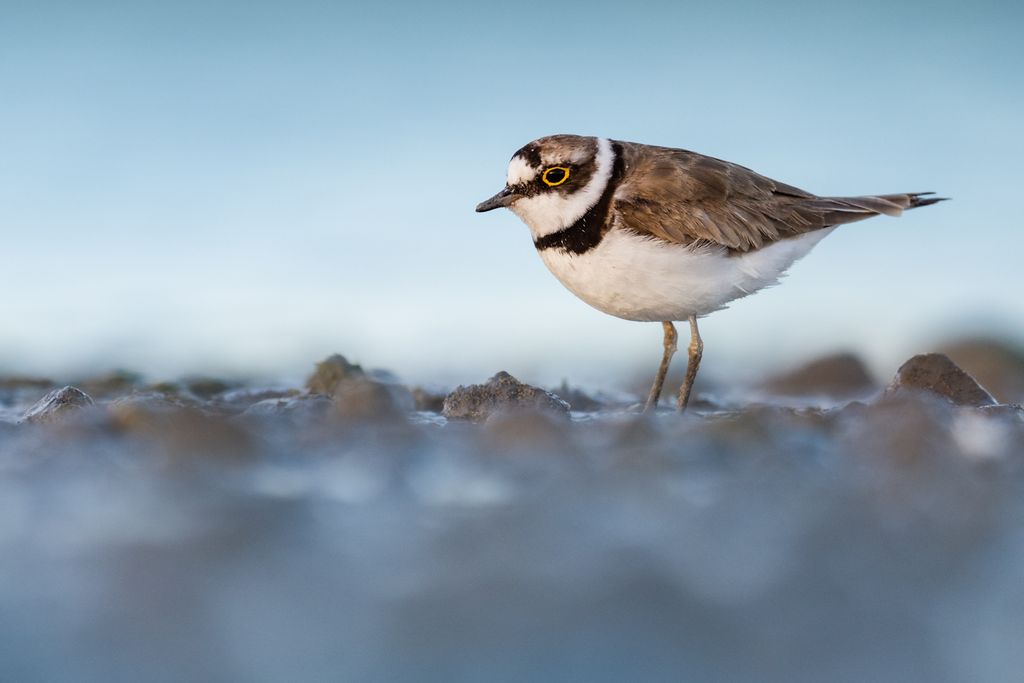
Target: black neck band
{"type": "Point", "coordinates": [587, 232]}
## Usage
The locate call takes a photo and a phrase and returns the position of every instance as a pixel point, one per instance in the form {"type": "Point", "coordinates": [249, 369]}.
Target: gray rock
{"type": "Point", "coordinates": [56, 405]}
{"type": "Point", "coordinates": [330, 372]}
{"type": "Point", "coordinates": [840, 375]}
{"type": "Point", "coordinates": [503, 392]}
{"type": "Point", "coordinates": [936, 373]}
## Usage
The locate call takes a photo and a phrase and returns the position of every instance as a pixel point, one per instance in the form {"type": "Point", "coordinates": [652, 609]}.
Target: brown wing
{"type": "Point", "coordinates": [685, 197]}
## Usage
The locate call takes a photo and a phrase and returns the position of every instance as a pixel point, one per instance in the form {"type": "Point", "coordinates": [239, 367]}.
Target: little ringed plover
{"type": "Point", "coordinates": [660, 234]}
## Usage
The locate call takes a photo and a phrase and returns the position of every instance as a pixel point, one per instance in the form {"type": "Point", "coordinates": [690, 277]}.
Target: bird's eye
{"type": "Point", "coordinates": [555, 176]}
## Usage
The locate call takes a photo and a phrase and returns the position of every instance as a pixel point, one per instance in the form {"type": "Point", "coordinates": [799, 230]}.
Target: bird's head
{"type": "Point", "coordinates": [554, 180]}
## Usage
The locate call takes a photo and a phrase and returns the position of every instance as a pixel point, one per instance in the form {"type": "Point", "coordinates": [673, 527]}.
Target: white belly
{"type": "Point", "coordinates": [640, 278]}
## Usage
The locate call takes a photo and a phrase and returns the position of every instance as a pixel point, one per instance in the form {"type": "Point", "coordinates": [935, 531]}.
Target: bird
{"type": "Point", "coordinates": [659, 234]}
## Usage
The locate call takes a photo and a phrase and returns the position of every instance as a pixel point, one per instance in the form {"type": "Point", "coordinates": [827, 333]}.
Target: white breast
{"type": "Point", "coordinates": [641, 278]}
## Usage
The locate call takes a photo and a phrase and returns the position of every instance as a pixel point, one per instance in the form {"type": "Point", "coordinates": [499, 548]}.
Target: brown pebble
{"type": "Point", "coordinates": [329, 372]}
{"type": "Point", "coordinates": [936, 373]}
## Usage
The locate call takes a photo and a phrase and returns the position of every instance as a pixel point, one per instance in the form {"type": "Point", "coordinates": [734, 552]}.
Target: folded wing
{"type": "Point", "coordinates": [687, 198]}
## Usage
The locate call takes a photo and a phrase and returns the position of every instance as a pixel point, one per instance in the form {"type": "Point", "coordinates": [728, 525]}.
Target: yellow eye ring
{"type": "Point", "coordinates": [558, 180]}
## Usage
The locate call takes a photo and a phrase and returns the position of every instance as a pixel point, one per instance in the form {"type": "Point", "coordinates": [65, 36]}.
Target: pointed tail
{"type": "Point", "coordinates": [837, 210]}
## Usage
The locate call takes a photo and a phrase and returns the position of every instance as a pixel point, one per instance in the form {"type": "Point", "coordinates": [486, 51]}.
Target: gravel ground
{"type": "Point", "coordinates": [361, 530]}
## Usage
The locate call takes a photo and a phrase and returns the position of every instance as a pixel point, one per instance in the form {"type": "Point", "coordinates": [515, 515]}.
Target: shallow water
{"type": "Point", "coordinates": [868, 542]}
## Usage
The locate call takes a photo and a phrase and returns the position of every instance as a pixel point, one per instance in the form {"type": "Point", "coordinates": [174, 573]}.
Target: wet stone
{"type": "Point", "coordinates": [330, 372]}
{"type": "Point", "coordinates": [503, 392]}
{"type": "Point", "coordinates": [936, 373]}
{"type": "Point", "coordinates": [57, 404]}
{"type": "Point", "coordinates": [840, 375]}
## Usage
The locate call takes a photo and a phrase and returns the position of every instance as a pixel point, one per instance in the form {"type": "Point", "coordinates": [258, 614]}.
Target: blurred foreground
{"type": "Point", "coordinates": [359, 530]}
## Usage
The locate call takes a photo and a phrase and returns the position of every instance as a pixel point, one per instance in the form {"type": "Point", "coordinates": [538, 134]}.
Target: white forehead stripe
{"type": "Point", "coordinates": [604, 163]}
{"type": "Point", "coordinates": [549, 212]}
{"type": "Point", "coordinates": [519, 171]}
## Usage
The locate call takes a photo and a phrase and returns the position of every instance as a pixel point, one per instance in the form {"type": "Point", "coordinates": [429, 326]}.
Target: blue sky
{"type": "Point", "coordinates": [246, 187]}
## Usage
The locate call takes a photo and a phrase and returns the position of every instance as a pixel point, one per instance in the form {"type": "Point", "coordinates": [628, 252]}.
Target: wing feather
{"type": "Point", "coordinates": [685, 198]}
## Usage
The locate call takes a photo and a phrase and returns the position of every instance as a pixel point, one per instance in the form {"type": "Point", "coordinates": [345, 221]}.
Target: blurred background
{"type": "Point", "coordinates": [247, 187]}
{"type": "Point", "coordinates": [230, 188]}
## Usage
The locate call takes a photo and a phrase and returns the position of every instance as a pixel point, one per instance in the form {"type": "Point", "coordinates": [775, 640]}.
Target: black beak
{"type": "Point", "coordinates": [503, 198]}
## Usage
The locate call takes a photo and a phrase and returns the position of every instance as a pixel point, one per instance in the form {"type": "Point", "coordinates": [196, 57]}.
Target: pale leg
{"type": "Point", "coordinates": [670, 348]}
{"type": "Point", "coordinates": [696, 351]}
